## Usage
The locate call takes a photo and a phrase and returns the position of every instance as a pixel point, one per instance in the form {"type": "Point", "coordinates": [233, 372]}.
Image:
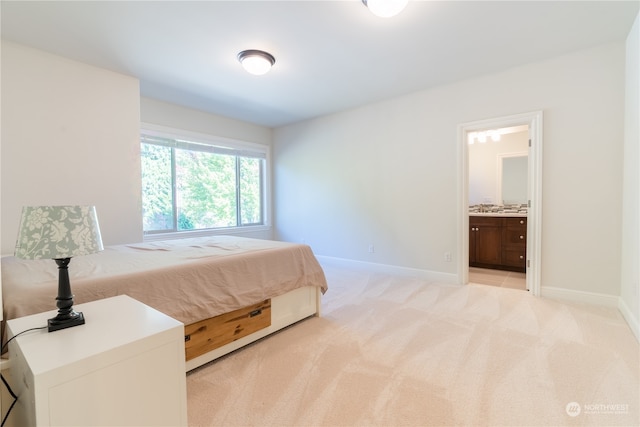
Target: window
{"type": "Point", "coordinates": [191, 183]}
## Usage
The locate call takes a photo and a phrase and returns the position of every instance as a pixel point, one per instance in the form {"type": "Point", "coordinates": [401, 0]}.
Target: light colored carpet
{"type": "Point", "coordinates": [397, 351]}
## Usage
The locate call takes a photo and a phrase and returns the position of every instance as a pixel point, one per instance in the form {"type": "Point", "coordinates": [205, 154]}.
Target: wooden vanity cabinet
{"type": "Point", "coordinates": [498, 242]}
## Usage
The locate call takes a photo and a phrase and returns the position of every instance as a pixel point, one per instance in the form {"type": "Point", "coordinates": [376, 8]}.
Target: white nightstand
{"type": "Point", "coordinates": [124, 367]}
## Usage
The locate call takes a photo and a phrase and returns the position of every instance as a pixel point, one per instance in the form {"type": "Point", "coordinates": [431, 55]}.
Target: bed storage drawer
{"type": "Point", "coordinates": [209, 334]}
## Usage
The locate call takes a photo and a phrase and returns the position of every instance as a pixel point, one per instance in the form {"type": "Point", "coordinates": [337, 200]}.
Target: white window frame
{"type": "Point", "coordinates": [222, 142]}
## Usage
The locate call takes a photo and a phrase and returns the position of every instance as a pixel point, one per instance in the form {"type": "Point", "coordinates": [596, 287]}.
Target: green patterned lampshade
{"type": "Point", "coordinates": [57, 232]}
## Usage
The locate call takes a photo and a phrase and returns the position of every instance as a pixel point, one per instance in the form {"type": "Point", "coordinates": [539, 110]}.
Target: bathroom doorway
{"type": "Point", "coordinates": [500, 201]}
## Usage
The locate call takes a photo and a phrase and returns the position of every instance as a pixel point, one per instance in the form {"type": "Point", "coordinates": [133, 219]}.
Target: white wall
{"type": "Point", "coordinates": [70, 135]}
{"type": "Point", "coordinates": [177, 117]}
{"type": "Point", "coordinates": [630, 280]}
{"type": "Point", "coordinates": [385, 174]}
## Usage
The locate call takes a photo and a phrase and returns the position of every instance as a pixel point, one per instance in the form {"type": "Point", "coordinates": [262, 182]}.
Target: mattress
{"type": "Point", "coordinates": [188, 279]}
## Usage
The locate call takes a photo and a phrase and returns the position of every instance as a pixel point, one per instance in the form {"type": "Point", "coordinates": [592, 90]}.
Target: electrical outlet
{"type": "Point", "coordinates": [371, 249]}
{"type": "Point", "coordinates": [447, 256]}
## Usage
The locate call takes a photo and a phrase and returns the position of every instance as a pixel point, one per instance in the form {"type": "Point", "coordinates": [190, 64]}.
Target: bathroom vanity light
{"type": "Point", "coordinates": [256, 62]}
{"type": "Point", "coordinates": [482, 136]}
{"type": "Point", "coordinates": [385, 8]}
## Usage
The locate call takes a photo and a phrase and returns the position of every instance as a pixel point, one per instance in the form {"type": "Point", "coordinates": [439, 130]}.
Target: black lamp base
{"type": "Point", "coordinates": [67, 321]}
{"type": "Point", "coordinates": [66, 317]}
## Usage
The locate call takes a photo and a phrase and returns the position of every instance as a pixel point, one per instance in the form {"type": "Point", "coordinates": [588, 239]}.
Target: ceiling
{"type": "Point", "coordinates": [330, 55]}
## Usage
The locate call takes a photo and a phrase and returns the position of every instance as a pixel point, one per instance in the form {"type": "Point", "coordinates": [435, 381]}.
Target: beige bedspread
{"type": "Point", "coordinates": [187, 279]}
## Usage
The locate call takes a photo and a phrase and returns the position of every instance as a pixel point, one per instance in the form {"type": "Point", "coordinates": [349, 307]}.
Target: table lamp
{"type": "Point", "coordinates": [59, 233]}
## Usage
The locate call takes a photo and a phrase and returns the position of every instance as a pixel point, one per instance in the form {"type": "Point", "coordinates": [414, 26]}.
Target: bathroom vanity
{"type": "Point", "coordinates": [498, 241]}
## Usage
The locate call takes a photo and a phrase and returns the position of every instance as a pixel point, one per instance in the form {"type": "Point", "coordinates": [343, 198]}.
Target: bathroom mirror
{"type": "Point", "coordinates": [512, 178]}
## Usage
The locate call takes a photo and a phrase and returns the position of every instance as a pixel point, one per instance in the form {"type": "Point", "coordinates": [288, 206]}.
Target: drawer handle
{"type": "Point", "coordinates": [522, 237]}
{"type": "Point", "coordinates": [521, 257]}
{"type": "Point", "coordinates": [255, 313]}
{"type": "Point", "coordinates": [521, 222]}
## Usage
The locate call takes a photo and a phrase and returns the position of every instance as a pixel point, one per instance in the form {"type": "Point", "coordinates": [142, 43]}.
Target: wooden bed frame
{"type": "Point", "coordinates": [212, 338]}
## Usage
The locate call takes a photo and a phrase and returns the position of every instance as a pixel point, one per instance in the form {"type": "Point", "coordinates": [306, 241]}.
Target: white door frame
{"type": "Point", "coordinates": [534, 216]}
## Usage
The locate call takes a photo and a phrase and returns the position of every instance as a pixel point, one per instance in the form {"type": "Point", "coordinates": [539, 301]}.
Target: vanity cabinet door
{"type": "Point", "coordinates": [485, 241]}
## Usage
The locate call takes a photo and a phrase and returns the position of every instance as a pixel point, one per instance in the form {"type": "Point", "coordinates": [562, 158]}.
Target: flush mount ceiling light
{"type": "Point", "coordinates": [256, 62]}
{"type": "Point", "coordinates": [385, 8]}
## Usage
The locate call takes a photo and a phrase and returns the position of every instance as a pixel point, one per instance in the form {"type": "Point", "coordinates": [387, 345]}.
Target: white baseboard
{"type": "Point", "coordinates": [628, 315]}
{"type": "Point", "coordinates": [432, 276]}
{"type": "Point", "coordinates": [612, 301]}
{"type": "Point", "coordinates": [579, 296]}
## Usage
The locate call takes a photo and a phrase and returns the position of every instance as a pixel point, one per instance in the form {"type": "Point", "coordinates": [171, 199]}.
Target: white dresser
{"type": "Point", "coordinates": [124, 367]}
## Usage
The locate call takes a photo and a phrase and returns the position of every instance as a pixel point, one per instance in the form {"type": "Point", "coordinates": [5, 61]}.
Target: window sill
{"type": "Point", "coordinates": [235, 231]}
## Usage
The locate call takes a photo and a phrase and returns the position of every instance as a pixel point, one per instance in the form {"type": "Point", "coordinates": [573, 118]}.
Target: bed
{"type": "Point", "coordinates": [228, 291]}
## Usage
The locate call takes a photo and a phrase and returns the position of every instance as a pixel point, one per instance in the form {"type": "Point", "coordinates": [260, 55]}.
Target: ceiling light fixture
{"type": "Point", "coordinates": [256, 62]}
{"type": "Point", "coordinates": [385, 8]}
